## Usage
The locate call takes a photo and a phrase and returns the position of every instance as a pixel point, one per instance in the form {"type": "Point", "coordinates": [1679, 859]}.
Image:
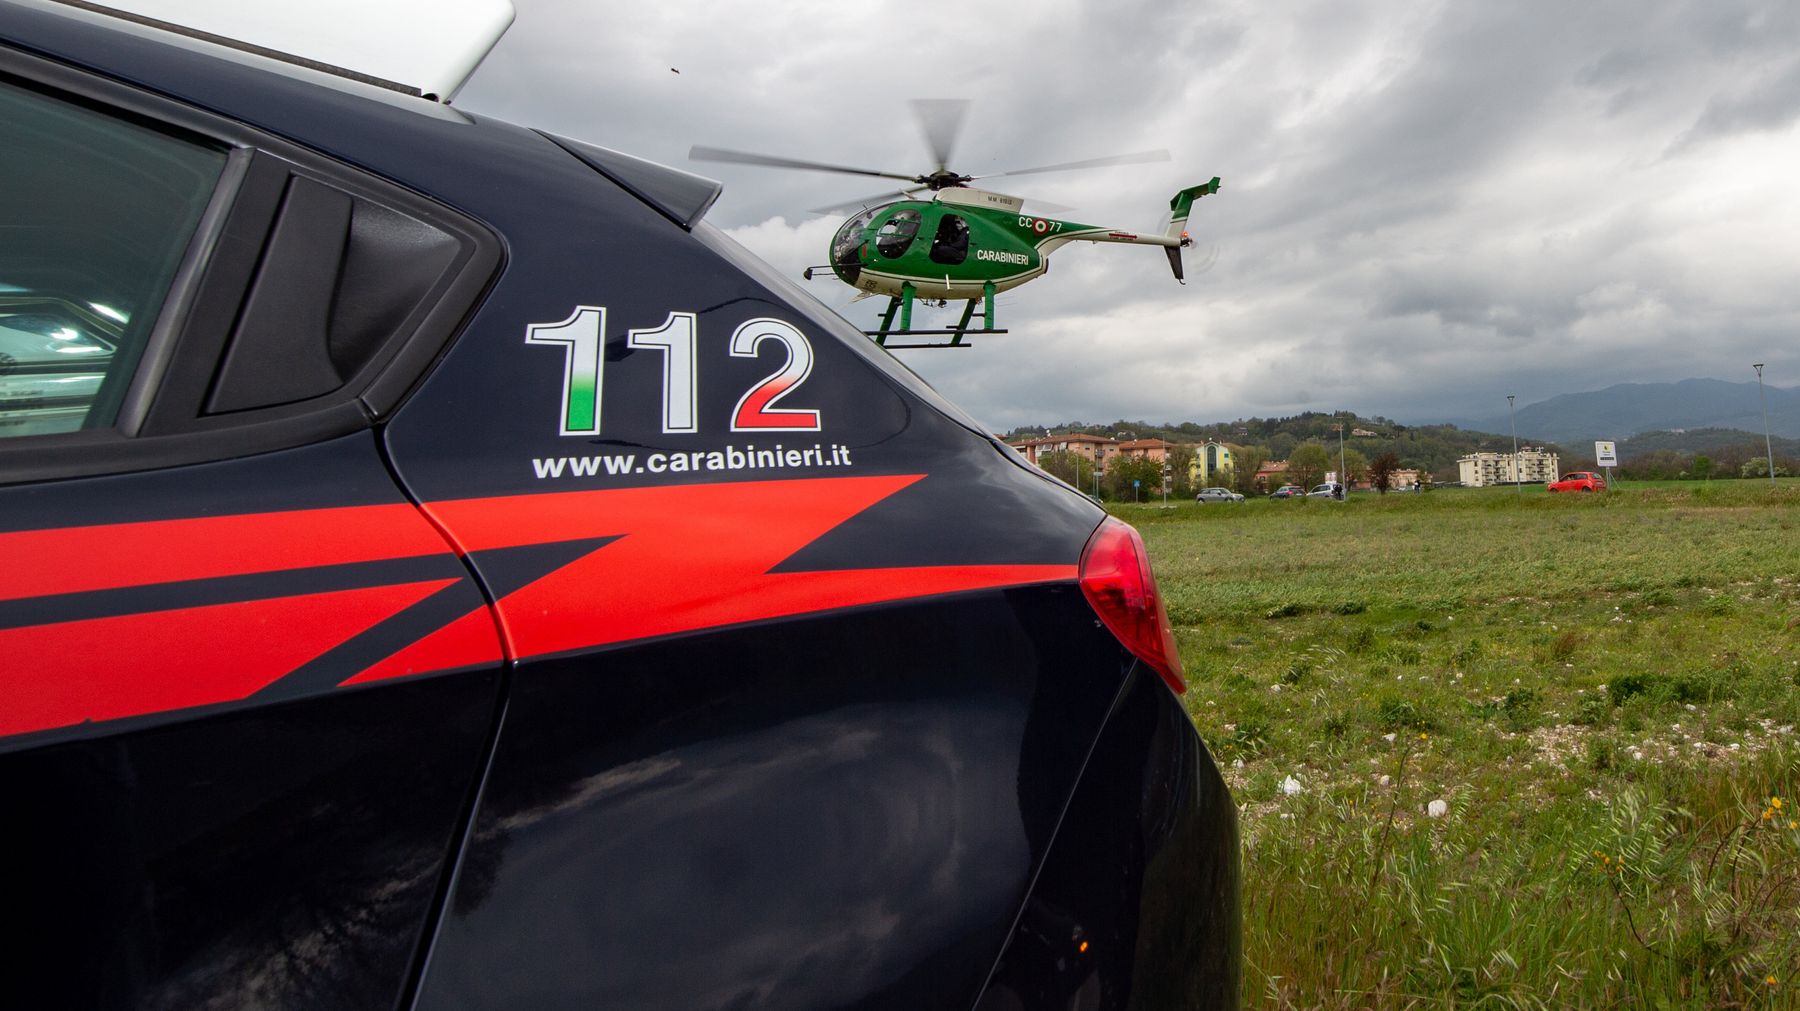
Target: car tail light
{"type": "Point", "coordinates": [1115, 576]}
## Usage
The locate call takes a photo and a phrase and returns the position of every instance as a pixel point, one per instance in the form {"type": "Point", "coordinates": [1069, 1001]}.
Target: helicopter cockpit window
{"type": "Point", "coordinates": [897, 233]}
{"type": "Point", "coordinates": [849, 237]}
{"type": "Point", "coordinates": [951, 245]}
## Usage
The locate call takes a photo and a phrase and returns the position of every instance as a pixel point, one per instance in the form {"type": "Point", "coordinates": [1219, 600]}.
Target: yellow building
{"type": "Point", "coordinates": [1212, 465]}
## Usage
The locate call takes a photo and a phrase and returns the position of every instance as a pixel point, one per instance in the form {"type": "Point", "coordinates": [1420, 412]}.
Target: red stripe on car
{"type": "Point", "coordinates": [76, 559]}
{"type": "Point", "coordinates": [693, 556]}
{"type": "Point", "coordinates": [134, 664]}
{"type": "Point", "coordinates": [468, 641]}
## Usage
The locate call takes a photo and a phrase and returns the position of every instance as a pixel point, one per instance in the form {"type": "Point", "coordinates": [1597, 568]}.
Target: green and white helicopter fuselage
{"type": "Point", "coordinates": [966, 243]}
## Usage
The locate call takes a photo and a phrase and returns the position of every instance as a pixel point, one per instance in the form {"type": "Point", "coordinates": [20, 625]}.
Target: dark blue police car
{"type": "Point", "coordinates": [439, 570]}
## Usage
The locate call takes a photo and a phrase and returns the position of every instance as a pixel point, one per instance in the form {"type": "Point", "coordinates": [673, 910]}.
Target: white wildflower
{"type": "Point", "coordinates": [1290, 786]}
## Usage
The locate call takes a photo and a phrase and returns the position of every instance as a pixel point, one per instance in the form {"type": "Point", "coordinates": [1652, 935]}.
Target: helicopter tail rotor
{"type": "Point", "coordinates": [1180, 206]}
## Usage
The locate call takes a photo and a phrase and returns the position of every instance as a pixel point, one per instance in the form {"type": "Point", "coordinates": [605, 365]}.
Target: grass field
{"type": "Point", "coordinates": [1598, 693]}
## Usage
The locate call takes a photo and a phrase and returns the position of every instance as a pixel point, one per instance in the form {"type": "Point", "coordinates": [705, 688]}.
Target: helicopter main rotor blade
{"type": "Point", "coordinates": [860, 203]}
{"type": "Point", "coordinates": [702, 153]}
{"type": "Point", "coordinates": [1138, 158]}
{"type": "Point", "coordinates": [876, 199]}
{"type": "Point", "coordinates": [940, 120]}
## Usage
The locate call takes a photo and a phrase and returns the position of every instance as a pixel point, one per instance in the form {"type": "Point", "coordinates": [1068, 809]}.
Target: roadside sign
{"type": "Point", "coordinates": [1605, 454]}
{"type": "Point", "coordinates": [1136, 483]}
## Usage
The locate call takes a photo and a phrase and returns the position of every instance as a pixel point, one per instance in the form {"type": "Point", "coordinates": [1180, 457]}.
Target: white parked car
{"type": "Point", "coordinates": [1218, 495]}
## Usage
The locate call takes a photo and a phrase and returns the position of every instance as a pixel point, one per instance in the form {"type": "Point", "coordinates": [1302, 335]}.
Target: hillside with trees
{"type": "Point", "coordinates": [1704, 453]}
{"type": "Point", "coordinates": [1630, 410]}
{"type": "Point", "coordinates": [1435, 448]}
{"type": "Point", "coordinates": [1715, 442]}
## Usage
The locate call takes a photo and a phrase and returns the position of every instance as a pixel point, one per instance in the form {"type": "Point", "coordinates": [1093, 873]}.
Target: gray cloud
{"type": "Point", "coordinates": [1426, 206]}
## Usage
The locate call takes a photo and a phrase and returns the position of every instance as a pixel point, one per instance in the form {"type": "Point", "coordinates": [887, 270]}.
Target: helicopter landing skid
{"type": "Point", "coordinates": [954, 342]}
{"type": "Point", "coordinates": [902, 304]}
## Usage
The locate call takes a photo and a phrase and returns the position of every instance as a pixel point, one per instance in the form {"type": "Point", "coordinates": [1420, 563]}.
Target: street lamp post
{"type": "Point", "coordinates": [1768, 447]}
{"type": "Point", "coordinates": [1515, 434]}
{"type": "Point", "coordinates": [1127, 437]}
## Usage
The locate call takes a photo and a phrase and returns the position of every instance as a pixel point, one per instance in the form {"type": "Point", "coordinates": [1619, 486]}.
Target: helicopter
{"type": "Point", "coordinates": [960, 243]}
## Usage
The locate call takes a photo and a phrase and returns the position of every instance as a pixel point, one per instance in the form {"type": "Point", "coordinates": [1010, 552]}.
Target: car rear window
{"type": "Point", "coordinates": [96, 212]}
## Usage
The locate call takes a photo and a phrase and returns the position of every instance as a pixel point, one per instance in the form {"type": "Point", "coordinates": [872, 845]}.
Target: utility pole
{"type": "Point", "coordinates": [1768, 447]}
{"type": "Point", "coordinates": [1343, 478]}
{"type": "Point", "coordinates": [1515, 434]}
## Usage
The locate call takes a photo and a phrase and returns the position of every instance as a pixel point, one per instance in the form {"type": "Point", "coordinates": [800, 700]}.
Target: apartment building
{"type": "Point", "coordinates": [1097, 448]}
{"type": "Point", "coordinates": [1149, 449]}
{"type": "Point", "coordinates": [1271, 475]}
{"type": "Point", "coordinates": [1534, 466]}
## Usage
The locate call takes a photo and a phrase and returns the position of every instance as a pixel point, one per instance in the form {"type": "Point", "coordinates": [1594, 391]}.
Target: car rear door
{"type": "Point", "coordinates": [246, 685]}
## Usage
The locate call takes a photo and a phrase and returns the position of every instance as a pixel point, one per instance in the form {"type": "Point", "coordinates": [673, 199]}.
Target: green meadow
{"type": "Point", "coordinates": [1503, 749]}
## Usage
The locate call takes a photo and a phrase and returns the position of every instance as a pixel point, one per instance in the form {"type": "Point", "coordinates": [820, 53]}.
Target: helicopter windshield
{"type": "Point", "coordinates": [897, 233]}
{"type": "Point", "coordinates": [849, 236]}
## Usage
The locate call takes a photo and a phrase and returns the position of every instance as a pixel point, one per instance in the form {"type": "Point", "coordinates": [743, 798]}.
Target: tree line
{"type": "Point", "coordinates": [1139, 478]}
{"type": "Point", "coordinates": [1254, 441]}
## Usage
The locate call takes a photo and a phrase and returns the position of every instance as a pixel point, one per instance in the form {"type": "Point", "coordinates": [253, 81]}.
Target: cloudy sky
{"type": "Point", "coordinates": [1426, 206]}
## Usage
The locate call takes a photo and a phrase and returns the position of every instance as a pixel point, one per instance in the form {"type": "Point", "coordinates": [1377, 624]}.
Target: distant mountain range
{"type": "Point", "coordinates": [1619, 412]}
{"type": "Point", "coordinates": [1704, 440]}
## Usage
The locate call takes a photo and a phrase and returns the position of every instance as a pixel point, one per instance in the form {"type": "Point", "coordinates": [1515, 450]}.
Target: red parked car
{"type": "Point", "coordinates": [1581, 480]}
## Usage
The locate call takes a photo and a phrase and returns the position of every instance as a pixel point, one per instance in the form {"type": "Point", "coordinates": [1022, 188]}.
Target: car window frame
{"type": "Point", "coordinates": [161, 420]}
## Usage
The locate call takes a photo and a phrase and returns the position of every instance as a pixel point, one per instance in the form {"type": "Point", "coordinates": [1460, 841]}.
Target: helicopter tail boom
{"type": "Point", "coordinates": [1173, 239]}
